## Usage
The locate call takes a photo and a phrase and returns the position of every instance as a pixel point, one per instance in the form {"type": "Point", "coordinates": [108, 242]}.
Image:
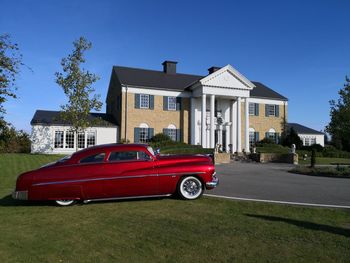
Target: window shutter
{"type": "Point", "coordinates": [165, 102]}
{"type": "Point", "coordinates": [277, 136]}
{"type": "Point", "coordinates": [178, 135]}
{"type": "Point", "coordinates": [256, 109]}
{"type": "Point", "coordinates": [266, 135]}
{"type": "Point", "coordinates": [257, 136]}
{"type": "Point", "coordinates": [165, 131]}
{"type": "Point", "coordinates": [178, 103]}
{"type": "Point", "coordinates": [266, 110]}
{"type": "Point", "coordinates": [150, 133]}
{"type": "Point", "coordinates": [277, 110]}
{"type": "Point", "coordinates": [151, 102]}
{"type": "Point", "coordinates": [137, 101]}
{"type": "Point", "coordinates": [136, 135]}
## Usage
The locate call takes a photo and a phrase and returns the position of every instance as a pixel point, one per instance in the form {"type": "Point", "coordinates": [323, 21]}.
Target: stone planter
{"type": "Point", "coordinates": [222, 158]}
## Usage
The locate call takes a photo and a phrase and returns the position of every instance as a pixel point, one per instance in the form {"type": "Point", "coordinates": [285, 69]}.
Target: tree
{"type": "Point", "coordinates": [339, 125]}
{"type": "Point", "coordinates": [10, 62]}
{"type": "Point", "coordinates": [292, 137]}
{"type": "Point", "coordinates": [76, 83]}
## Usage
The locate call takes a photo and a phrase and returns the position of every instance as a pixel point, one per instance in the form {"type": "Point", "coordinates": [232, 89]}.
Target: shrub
{"type": "Point", "coordinates": [13, 141]}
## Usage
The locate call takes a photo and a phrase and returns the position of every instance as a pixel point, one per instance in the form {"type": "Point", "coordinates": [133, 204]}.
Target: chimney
{"type": "Point", "coordinates": [169, 67]}
{"type": "Point", "coordinates": [213, 69]}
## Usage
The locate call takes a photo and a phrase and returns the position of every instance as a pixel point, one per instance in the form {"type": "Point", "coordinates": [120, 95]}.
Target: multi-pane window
{"type": "Point", "coordinates": [81, 140]}
{"type": "Point", "coordinates": [307, 142]}
{"type": "Point", "coordinates": [143, 135]}
{"type": "Point", "coordinates": [58, 139]}
{"type": "Point", "coordinates": [251, 108]}
{"type": "Point", "coordinates": [171, 103]}
{"type": "Point", "coordinates": [272, 136]}
{"type": "Point", "coordinates": [313, 141]}
{"type": "Point", "coordinates": [90, 139]}
{"type": "Point", "coordinates": [144, 101]}
{"type": "Point", "coordinates": [69, 139]}
{"type": "Point", "coordinates": [172, 134]}
{"type": "Point", "coordinates": [251, 138]}
{"type": "Point", "coordinates": [270, 110]}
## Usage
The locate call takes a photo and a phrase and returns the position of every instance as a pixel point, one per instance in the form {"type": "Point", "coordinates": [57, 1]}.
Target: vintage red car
{"type": "Point", "coordinates": [117, 171]}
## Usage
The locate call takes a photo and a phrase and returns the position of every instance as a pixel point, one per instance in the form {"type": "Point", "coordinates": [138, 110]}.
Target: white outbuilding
{"type": "Point", "coordinates": [51, 135]}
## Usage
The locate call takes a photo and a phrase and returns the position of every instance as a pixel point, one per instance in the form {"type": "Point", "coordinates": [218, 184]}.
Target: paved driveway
{"type": "Point", "coordinates": [273, 182]}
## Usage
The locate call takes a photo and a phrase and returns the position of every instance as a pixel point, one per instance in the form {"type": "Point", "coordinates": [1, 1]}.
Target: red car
{"type": "Point", "coordinates": [116, 171]}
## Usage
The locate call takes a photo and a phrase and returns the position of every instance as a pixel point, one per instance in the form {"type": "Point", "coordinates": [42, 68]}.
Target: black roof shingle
{"type": "Point", "coordinates": [301, 129]}
{"type": "Point", "coordinates": [178, 82]}
{"type": "Point", "coordinates": [46, 117]}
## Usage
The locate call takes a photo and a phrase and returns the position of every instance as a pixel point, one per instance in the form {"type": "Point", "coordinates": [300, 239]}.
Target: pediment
{"type": "Point", "coordinates": [227, 77]}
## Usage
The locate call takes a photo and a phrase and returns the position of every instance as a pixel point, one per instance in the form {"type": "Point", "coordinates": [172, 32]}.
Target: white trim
{"type": "Point", "coordinates": [268, 101]}
{"type": "Point", "coordinates": [154, 91]}
{"type": "Point", "coordinates": [143, 125]}
{"type": "Point", "coordinates": [277, 202]}
{"type": "Point", "coordinates": [234, 73]}
{"type": "Point", "coordinates": [148, 101]}
{"type": "Point", "coordinates": [171, 97]}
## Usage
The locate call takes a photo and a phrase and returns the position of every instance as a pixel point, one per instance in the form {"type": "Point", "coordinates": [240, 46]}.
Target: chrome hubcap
{"type": "Point", "coordinates": [191, 187]}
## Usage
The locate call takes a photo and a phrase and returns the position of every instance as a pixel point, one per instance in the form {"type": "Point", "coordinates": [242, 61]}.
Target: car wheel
{"type": "Point", "coordinates": [190, 188]}
{"type": "Point", "coordinates": [65, 202]}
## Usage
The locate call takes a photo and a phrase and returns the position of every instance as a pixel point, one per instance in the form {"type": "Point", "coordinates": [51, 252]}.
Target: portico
{"type": "Point", "coordinates": [220, 123]}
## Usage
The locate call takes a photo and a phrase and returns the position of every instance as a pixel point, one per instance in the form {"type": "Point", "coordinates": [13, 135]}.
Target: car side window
{"type": "Point", "coordinates": [95, 158]}
{"type": "Point", "coordinates": [128, 156]}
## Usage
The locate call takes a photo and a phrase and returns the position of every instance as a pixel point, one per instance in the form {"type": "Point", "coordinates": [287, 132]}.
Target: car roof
{"type": "Point", "coordinates": [106, 147]}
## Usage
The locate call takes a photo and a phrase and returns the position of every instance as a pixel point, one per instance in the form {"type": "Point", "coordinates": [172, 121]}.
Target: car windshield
{"type": "Point", "coordinates": [149, 148]}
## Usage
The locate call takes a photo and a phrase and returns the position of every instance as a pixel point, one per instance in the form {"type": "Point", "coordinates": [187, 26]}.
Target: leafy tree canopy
{"type": "Point", "coordinates": [10, 62]}
{"type": "Point", "coordinates": [76, 83]}
{"type": "Point", "coordinates": [339, 125]}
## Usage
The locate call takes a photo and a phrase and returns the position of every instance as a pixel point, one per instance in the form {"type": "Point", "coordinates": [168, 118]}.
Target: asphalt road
{"type": "Point", "coordinates": [273, 182]}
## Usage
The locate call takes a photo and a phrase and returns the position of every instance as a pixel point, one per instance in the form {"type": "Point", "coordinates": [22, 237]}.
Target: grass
{"type": "Point", "coordinates": [326, 160]}
{"type": "Point", "coordinates": [330, 171]}
{"type": "Point", "coordinates": [164, 230]}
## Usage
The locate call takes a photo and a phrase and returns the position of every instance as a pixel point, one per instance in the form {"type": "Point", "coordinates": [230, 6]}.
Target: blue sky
{"type": "Point", "coordinates": [301, 49]}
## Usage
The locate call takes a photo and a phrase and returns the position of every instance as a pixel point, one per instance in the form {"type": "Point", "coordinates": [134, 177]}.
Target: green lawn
{"type": "Point", "coordinates": [164, 230]}
{"type": "Point", "coordinates": [326, 160]}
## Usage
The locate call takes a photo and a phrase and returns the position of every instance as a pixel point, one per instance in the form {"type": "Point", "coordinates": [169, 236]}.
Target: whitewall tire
{"type": "Point", "coordinates": [65, 202]}
{"type": "Point", "coordinates": [190, 188]}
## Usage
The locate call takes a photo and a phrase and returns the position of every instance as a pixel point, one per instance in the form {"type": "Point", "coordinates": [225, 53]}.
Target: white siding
{"type": "Point", "coordinates": [42, 138]}
{"type": "Point", "coordinates": [319, 138]}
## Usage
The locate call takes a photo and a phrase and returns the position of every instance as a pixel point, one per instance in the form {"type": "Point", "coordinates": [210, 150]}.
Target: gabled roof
{"type": "Point", "coordinates": [301, 129]}
{"type": "Point", "coordinates": [154, 79]}
{"type": "Point", "coordinates": [262, 91]}
{"type": "Point", "coordinates": [178, 82]}
{"type": "Point", "coordinates": [46, 117]}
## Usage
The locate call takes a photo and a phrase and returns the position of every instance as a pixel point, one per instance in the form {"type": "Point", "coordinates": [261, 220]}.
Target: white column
{"type": "Point", "coordinates": [204, 120]}
{"type": "Point", "coordinates": [246, 126]}
{"type": "Point", "coordinates": [212, 124]}
{"type": "Point", "coordinates": [233, 126]}
{"type": "Point", "coordinates": [239, 137]}
{"type": "Point", "coordinates": [227, 136]}
{"type": "Point", "coordinates": [193, 121]}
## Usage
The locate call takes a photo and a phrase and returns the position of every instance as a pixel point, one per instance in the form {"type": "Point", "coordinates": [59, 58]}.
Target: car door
{"type": "Point", "coordinates": [130, 173]}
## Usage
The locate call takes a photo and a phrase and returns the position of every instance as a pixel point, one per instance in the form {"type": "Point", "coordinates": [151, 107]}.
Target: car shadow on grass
{"type": "Point", "coordinates": [9, 201]}
{"type": "Point", "coordinates": [305, 224]}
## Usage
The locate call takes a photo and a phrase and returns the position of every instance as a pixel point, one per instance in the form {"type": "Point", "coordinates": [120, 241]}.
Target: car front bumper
{"type": "Point", "coordinates": [20, 195]}
{"type": "Point", "coordinates": [213, 183]}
